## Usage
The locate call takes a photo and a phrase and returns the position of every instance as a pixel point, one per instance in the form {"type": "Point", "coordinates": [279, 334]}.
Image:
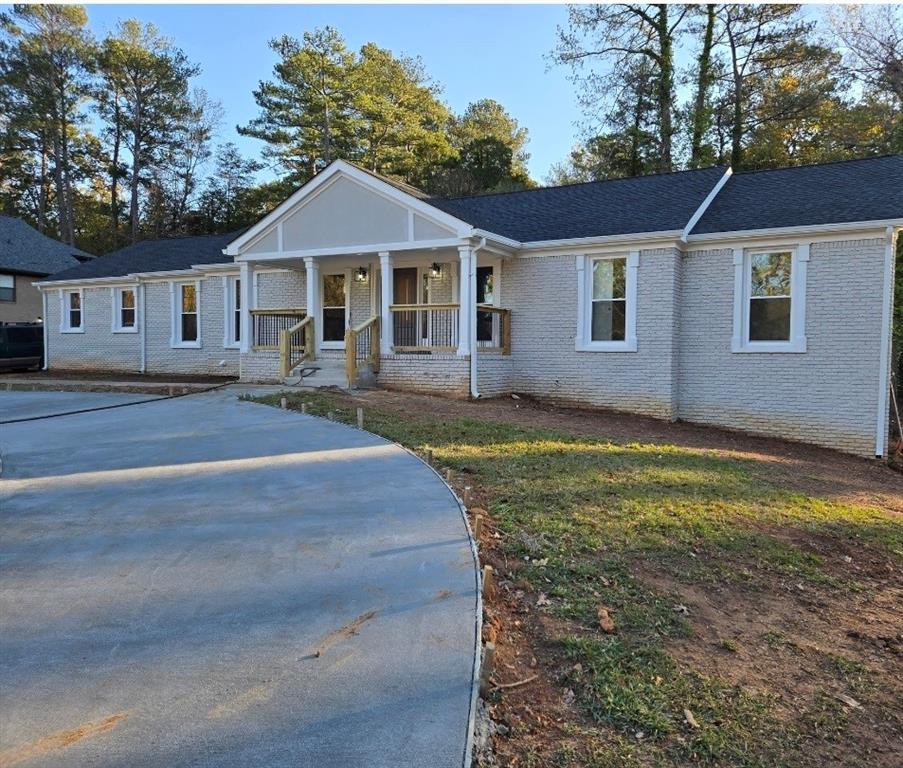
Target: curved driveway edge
{"type": "Point", "coordinates": [203, 581]}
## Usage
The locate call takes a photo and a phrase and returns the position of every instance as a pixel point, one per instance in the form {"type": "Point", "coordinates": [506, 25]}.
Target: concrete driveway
{"type": "Point", "coordinates": [207, 582]}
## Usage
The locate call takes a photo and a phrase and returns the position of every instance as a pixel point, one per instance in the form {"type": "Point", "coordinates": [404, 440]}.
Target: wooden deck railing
{"type": "Point", "coordinates": [362, 348]}
{"type": "Point", "coordinates": [268, 325]}
{"type": "Point", "coordinates": [424, 327]}
{"type": "Point", "coordinates": [296, 344]}
{"type": "Point", "coordinates": [495, 323]}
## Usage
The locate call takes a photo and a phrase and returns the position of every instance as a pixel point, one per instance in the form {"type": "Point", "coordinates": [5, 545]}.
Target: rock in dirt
{"type": "Point", "coordinates": [691, 721]}
{"type": "Point", "coordinates": [605, 621]}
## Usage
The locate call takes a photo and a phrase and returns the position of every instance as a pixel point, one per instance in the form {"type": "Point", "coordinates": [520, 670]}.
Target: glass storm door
{"type": "Point", "coordinates": [334, 310]}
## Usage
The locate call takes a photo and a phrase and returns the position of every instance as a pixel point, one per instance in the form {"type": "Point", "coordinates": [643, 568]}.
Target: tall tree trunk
{"type": "Point", "coordinates": [737, 104]}
{"type": "Point", "coordinates": [42, 192]}
{"type": "Point", "coordinates": [665, 87]}
{"type": "Point", "coordinates": [137, 144]}
{"type": "Point", "coordinates": [114, 174]}
{"type": "Point", "coordinates": [701, 119]}
{"type": "Point", "coordinates": [59, 187]}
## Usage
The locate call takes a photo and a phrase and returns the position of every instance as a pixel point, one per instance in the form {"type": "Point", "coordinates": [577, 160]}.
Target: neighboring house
{"type": "Point", "coordinates": [758, 301]}
{"type": "Point", "coordinates": [25, 256]}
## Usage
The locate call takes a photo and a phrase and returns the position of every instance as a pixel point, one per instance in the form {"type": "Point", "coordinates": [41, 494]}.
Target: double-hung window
{"type": "Point", "coordinates": [770, 294]}
{"type": "Point", "coordinates": [124, 310]}
{"type": "Point", "coordinates": [186, 314]}
{"type": "Point", "coordinates": [72, 312]}
{"type": "Point", "coordinates": [232, 312]}
{"type": "Point", "coordinates": [7, 287]}
{"type": "Point", "coordinates": [607, 303]}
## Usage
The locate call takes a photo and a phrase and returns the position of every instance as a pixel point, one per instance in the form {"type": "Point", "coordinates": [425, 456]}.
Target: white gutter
{"type": "Point", "coordinates": [46, 332]}
{"type": "Point", "coordinates": [885, 340]}
{"type": "Point", "coordinates": [474, 391]}
{"type": "Point", "coordinates": [143, 329]}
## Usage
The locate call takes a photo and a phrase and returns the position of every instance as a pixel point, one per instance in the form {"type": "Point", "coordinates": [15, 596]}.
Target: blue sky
{"type": "Point", "coordinates": [473, 51]}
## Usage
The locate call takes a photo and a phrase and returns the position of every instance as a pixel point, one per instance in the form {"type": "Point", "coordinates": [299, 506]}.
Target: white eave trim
{"type": "Point", "coordinates": [875, 229]}
{"type": "Point", "coordinates": [133, 278]}
{"type": "Point", "coordinates": [354, 250]}
{"type": "Point", "coordinates": [705, 204]}
{"type": "Point", "coordinates": [341, 167]}
{"type": "Point", "coordinates": [586, 244]}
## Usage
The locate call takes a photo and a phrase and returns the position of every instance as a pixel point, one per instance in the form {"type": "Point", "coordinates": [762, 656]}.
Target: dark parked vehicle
{"type": "Point", "coordinates": [21, 346]}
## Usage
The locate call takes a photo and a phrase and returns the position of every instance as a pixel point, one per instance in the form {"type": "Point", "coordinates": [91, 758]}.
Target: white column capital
{"type": "Point", "coordinates": [465, 251]}
{"type": "Point", "coordinates": [310, 263]}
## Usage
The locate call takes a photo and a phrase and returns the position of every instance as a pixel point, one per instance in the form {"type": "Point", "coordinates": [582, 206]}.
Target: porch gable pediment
{"type": "Point", "coordinates": [345, 207]}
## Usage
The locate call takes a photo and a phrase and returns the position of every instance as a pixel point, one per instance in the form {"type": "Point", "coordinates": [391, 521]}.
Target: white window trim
{"type": "Point", "coordinates": [229, 340]}
{"type": "Point", "coordinates": [64, 310]}
{"type": "Point", "coordinates": [116, 301]}
{"type": "Point", "coordinates": [584, 342]}
{"type": "Point", "coordinates": [175, 303]}
{"type": "Point", "coordinates": [799, 264]}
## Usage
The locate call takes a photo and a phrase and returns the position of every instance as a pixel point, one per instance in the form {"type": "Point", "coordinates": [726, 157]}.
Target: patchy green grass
{"type": "Point", "coordinates": [579, 515]}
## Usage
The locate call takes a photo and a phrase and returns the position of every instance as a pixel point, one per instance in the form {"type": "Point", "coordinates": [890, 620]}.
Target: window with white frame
{"type": "Point", "coordinates": [7, 287]}
{"type": "Point", "coordinates": [607, 302]}
{"type": "Point", "coordinates": [186, 314]}
{"type": "Point", "coordinates": [232, 312]}
{"type": "Point", "coordinates": [124, 310]}
{"type": "Point", "coordinates": [72, 312]}
{"type": "Point", "coordinates": [770, 293]}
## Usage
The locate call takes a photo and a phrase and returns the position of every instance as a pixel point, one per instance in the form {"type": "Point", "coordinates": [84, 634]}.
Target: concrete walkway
{"type": "Point", "coordinates": [207, 582]}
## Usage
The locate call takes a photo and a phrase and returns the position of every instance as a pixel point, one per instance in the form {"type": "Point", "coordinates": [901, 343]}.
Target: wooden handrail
{"type": "Point", "coordinates": [287, 311]}
{"type": "Point", "coordinates": [288, 345]}
{"type": "Point", "coordinates": [415, 307]}
{"type": "Point", "coordinates": [372, 354]}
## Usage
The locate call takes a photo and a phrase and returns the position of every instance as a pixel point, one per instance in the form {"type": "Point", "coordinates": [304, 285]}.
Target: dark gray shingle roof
{"type": "Point", "coordinates": [831, 193]}
{"type": "Point", "coordinates": [655, 203]}
{"type": "Point", "coordinates": [24, 249]}
{"type": "Point", "coordinates": [161, 255]}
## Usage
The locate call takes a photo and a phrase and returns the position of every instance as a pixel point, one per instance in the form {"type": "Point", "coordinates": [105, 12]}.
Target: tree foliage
{"type": "Point", "coordinates": [765, 86]}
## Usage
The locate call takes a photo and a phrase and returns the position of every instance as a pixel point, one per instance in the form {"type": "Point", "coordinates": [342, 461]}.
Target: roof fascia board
{"type": "Point", "coordinates": [498, 239]}
{"type": "Point", "coordinates": [566, 247]}
{"type": "Point", "coordinates": [340, 167]}
{"type": "Point", "coordinates": [694, 219]}
{"type": "Point", "coordinates": [88, 281]}
{"type": "Point", "coordinates": [354, 250]}
{"type": "Point", "coordinates": [819, 232]}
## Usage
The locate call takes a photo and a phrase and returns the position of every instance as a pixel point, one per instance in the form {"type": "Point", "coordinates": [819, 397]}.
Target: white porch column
{"type": "Point", "coordinates": [386, 331]}
{"type": "Point", "coordinates": [467, 290]}
{"type": "Point", "coordinates": [246, 286]}
{"type": "Point", "coordinates": [312, 271]}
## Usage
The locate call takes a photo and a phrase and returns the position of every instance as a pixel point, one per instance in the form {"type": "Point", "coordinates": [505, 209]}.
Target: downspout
{"type": "Point", "coordinates": [474, 391]}
{"type": "Point", "coordinates": [46, 366]}
{"type": "Point", "coordinates": [143, 329]}
{"type": "Point", "coordinates": [884, 359]}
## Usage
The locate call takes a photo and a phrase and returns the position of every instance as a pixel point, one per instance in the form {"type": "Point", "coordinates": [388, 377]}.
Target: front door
{"type": "Point", "coordinates": [334, 311]}
{"type": "Point", "coordinates": [404, 285]}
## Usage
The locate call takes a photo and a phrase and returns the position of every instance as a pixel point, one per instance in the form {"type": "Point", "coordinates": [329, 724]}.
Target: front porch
{"type": "Point", "coordinates": [407, 320]}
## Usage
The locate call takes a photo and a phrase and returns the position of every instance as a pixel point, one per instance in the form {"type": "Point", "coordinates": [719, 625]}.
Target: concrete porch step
{"type": "Point", "coordinates": [325, 372]}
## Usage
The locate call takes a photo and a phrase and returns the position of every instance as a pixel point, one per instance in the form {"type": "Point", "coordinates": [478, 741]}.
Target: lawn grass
{"type": "Point", "coordinates": [581, 516]}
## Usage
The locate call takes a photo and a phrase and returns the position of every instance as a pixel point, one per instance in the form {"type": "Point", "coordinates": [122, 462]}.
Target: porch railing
{"type": "Point", "coordinates": [296, 344]}
{"type": "Point", "coordinates": [362, 348]}
{"type": "Point", "coordinates": [268, 325]}
{"type": "Point", "coordinates": [494, 326]}
{"type": "Point", "coordinates": [424, 327]}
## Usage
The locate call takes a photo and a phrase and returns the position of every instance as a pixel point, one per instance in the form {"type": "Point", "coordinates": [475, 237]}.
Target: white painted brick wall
{"type": "Point", "coordinates": [827, 395]}
{"type": "Point", "coordinates": [495, 374]}
{"type": "Point", "coordinates": [98, 348]}
{"type": "Point", "coordinates": [441, 374]}
{"type": "Point", "coordinates": [281, 290]}
{"type": "Point", "coordinates": [542, 295]}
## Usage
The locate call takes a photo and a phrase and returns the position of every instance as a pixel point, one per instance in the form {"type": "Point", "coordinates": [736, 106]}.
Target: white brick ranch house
{"type": "Point", "coordinates": [759, 300]}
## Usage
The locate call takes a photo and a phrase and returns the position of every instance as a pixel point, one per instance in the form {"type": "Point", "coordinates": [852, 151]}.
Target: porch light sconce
{"type": "Point", "coordinates": [436, 270]}
{"type": "Point", "coordinates": [360, 275]}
